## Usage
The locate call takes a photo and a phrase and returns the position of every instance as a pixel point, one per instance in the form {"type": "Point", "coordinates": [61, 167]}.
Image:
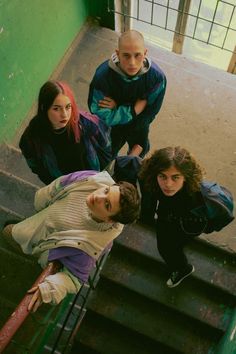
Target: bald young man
{"type": "Point", "coordinates": [127, 92]}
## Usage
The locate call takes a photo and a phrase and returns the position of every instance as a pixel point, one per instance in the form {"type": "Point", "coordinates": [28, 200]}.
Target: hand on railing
{"type": "Point", "coordinates": [36, 299]}
{"type": "Point", "coordinates": [22, 311]}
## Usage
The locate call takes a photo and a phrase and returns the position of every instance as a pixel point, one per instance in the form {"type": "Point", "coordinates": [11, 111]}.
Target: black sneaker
{"type": "Point", "coordinates": [176, 277]}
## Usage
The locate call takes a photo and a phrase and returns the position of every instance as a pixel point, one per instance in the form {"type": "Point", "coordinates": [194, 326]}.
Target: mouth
{"type": "Point", "coordinates": [168, 191]}
{"type": "Point", "coordinates": [132, 70]}
{"type": "Point", "coordinates": [63, 121]}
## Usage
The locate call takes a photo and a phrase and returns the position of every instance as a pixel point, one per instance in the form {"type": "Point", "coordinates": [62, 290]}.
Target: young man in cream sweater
{"type": "Point", "coordinates": [78, 216]}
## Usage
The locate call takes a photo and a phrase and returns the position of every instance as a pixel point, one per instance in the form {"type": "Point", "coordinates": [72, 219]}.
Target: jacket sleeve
{"type": "Point", "coordinates": [97, 141]}
{"type": "Point", "coordinates": [154, 99]}
{"type": "Point", "coordinates": [28, 150]}
{"type": "Point", "coordinates": [122, 114]}
{"type": "Point", "coordinates": [55, 287]}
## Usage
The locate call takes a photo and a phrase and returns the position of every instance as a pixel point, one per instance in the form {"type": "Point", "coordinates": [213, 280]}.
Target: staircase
{"type": "Point", "coordinates": [17, 271]}
{"type": "Point", "coordinates": [132, 311]}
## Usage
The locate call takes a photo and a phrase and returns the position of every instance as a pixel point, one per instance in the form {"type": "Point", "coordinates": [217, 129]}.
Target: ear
{"type": "Point", "coordinates": [117, 52]}
{"type": "Point", "coordinates": [145, 52]}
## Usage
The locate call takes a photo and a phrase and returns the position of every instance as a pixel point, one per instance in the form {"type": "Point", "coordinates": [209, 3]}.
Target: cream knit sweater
{"type": "Point", "coordinates": [63, 219]}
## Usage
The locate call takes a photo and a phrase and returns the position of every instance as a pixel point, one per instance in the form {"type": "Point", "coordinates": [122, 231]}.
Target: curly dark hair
{"type": "Point", "coordinates": [129, 204]}
{"type": "Point", "coordinates": [162, 159]}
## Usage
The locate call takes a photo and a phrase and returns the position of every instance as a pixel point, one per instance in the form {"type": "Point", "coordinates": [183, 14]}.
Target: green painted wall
{"type": "Point", "coordinates": [34, 35]}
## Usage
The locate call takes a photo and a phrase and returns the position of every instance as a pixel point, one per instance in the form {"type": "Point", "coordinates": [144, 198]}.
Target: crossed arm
{"type": "Point", "coordinates": [108, 102]}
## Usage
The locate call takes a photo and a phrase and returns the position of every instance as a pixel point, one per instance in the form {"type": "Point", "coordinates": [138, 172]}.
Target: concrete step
{"type": "Point", "coordinates": [6, 308]}
{"type": "Point", "coordinates": [199, 300]}
{"type": "Point", "coordinates": [151, 319]}
{"type": "Point", "coordinates": [132, 295]}
{"type": "Point", "coordinates": [13, 162]}
{"type": "Point", "coordinates": [212, 264]}
{"type": "Point", "coordinates": [100, 335]}
{"type": "Point", "coordinates": [7, 214]}
{"type": "Point", "coordinates": [17, 194]}
{"type": "Point", "coordinates": [17, 278]}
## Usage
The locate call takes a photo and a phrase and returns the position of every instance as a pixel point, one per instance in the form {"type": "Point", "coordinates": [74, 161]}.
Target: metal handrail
{"type": "Point", "coordinates": [77, 308]}
{"type": "Point", "coordinates": [21, 312]}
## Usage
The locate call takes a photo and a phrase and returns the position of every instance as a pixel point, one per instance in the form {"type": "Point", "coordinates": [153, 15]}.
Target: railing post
{"type": "Point", "coordinates": [122, 15]}
{"type": "Point", "coordinates": [232, 64]}
{"type": "Point", "coordinates": [181, 25]}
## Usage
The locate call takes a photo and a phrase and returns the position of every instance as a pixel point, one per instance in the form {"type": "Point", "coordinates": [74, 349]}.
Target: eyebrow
{"type": "Point", "coordinates": [109, 201]}
{"type": "Point", "coordinates": [177, 174]}
{"type": "Point", "coordinates": [58, 105]}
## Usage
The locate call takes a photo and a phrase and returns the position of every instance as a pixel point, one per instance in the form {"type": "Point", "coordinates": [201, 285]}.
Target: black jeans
{"type": "Point", "coordinates": [135, 132]}
{"type": "Point", "coordinates": [171, 240]}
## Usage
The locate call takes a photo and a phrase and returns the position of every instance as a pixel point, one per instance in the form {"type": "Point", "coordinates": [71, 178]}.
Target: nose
{"type": "Point", "coordinates": [100, 198]}
{"type": "Point", "coordinates": [168, 182]}
{"type": "Point", "coordinates": [132, 61]}
{"type": "Point", "coordinates": [63, 112]}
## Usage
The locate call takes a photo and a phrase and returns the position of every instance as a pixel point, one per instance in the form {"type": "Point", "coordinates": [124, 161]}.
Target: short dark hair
{"type": "Point", "coordinates": [129, 204]}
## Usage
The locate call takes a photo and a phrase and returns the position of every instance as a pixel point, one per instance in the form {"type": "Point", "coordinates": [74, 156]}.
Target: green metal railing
{"type": "Point", "coordinates": [53, 330]}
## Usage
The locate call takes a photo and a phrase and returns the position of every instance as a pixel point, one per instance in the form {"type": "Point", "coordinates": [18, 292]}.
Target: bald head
{"type": "Point", "coordinates": [131, 52]}
{"type": "Point", "coordinates": [130, 35]}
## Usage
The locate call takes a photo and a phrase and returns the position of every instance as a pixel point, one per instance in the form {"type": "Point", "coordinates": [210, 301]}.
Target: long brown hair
{"type": "Point", "coordinates": [47, 94]}
{"type": "Point", "coordinates": [162, 159]}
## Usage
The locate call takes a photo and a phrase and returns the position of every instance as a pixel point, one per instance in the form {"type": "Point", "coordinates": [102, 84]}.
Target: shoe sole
{"type": "Point", "coordinates": [176, 284]}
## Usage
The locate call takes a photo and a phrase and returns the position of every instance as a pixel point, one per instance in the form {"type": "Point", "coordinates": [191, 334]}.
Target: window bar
{"type": "Point", "coordinates": [227, 31]}
{"type": "Point", "coordinates": [152, 12]}
{"type": "Point", "coordinates": [197, 17]}
{"type": "Point", "coordinates": [167, 13]}
{"type": "Point", "coordinates": [138, 10]}
{"type": "Point", "coordinates": [212, 23]}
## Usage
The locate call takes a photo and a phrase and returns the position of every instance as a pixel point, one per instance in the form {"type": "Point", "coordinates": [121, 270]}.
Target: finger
{"type": "Point", "coordinates": [36, 305]}
{"type": "Point", "coordinates": [104, 105]}
{"type": "Point", "coordinates": [32, 302]}
{"type": "Point", "coordinates": [32, 290]}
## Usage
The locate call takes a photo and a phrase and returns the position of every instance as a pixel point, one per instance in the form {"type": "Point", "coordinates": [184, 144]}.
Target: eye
{"type": "Point", "coordinates": [107, 205]}
{"type": "Point", "coordinates": [161, 176]}
{"type": "Point", "coordinates": [68, 107]}
{"type": "Point", "coordinates": [175, 178]}
{"type": "Point", "coordinates": [56, 109]}
{"type": "Point", "coordinates": [138, 56]}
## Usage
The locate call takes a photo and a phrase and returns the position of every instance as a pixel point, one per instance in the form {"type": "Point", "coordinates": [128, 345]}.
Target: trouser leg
{"type": "Point", "coordinates": [138, 134]}
{"type": "Point", "coordinates": [171, 248]}
{"type": "Point", "coordinates": [118, 138]}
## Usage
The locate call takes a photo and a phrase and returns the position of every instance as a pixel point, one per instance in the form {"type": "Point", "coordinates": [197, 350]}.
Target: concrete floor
{"type": "Point", "coordinates": [198, 112]}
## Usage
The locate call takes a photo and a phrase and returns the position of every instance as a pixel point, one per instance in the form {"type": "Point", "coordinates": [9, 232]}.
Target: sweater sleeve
{"type": "Point", "coordinates": [55, 287]}
{"type": "Point", "coordinates": [44, 195]}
